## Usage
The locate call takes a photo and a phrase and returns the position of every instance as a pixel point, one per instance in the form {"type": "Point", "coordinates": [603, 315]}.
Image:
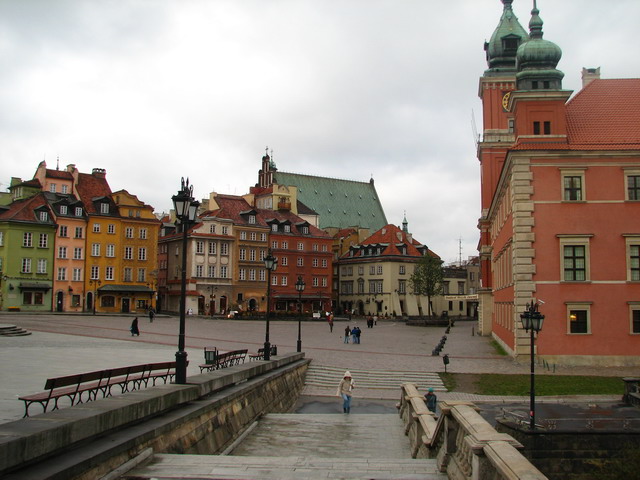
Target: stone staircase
{"type": "Point", "coordinates": [294, 446]}
{"type": "Point", "coordinates": [12, 331]}
{"type": "Point", "coordinates": [323, 381]}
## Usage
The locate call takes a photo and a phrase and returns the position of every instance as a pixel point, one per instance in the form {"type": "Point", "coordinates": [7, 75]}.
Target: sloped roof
{"type": "Point", "coordinates": [59, 174]}
{"type": "Point", "coordinates": [90, 187]}
{"type": "Point", "coordinates": [340, 203]}
{"type": "Point", "coordinates": [22, 210]}
{"type": "Point", "coordinates": [231, 207]}
{"type": "Point", "coordinates": [295, 221]}
{"type": "Point", "coordinates": [606, 113]}
{"type": "Point", "coordinates": [389, 238]}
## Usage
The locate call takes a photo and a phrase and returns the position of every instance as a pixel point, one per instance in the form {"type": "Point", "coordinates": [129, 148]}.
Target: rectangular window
{"type": "Point", "coordinates": [242, 274]}
{"type": "Point", "coordinates": [252, 274]}
{"type": "Point", "coordinates": [300, 246]}
{"type": "Point", "coordinates": [44, 216]}
{"type": "Point", "coordinates": [274, 227]}
{"type": "Point", "coordinates": [212, 271]}
{"type": "Point", "coordinates": [212, 248]}
{"type": "Point", "coordinates": [315, 262]}
{"type": "Point", "coordinates": [212, 229]}
{"type": "Point", "coordinates": [52, 188]}
{"type": "Point", "coordinates": [324, 263]}
{"type": "Point", "coordinates": [536, 128]}
{"type": "Point", "coordinates": [108, 273]}
{"type": "Point", "coordinates": [95, 272]}
{"type": "Point", "coordinates": [62, 231]}
{"type": "Point", "coordinates": [243, 254]}
{"type": "Point", "coordinates": [253, 236]}
{"type": "Point", "coordinates": [324, 281]}
{"type": "Point", "coordinates": [199, 270]}
{"type": "Point", "coordinates": [104, 208]}
{"type": "Point", "coordinates": [274, 280]}
{"type": "Point", "coordinates": [79, 232]}
{"type": "Point", "coordinates": [252, 255]}
{"type": "Point", "coordinates": [223, 271]}
{"type": "Point", "coordinates": [579, 320]}
{"type": "Point", "coordinates": [263, 237]}
{"type": "Point", "coordinates": [96, 228]}
{"type": "Point", "coordinates": [127, 274]}
{"type": "Point", "coordinates": [283, 280]}
{"type": "Point", "coordinates": [572, 188]}
{"type": "Point", "coordinates": [43, 240]}
{"type": "Point", "coordinates": [460, 288]}
{"type": "Point", "coordinates": [78, 211]}
{"type": "Point", "coordinates": [111, 229]}
{"type": "Point", "coordinates": [27, 239]}
{"type": "Point", "coordinates": [128, 253]}
{"type": "Point", "coordinates": [200, 247]}
{"type": "Point", "coordinates": [128, 232]}
{"type": "Point", "coordinates": [300, 262]}
{"type": "Point", "coordinates": [402, 269]}
{"type": "Point", "coordinates": [575, 264]}
{"type": "Point", "coordinates": [274, 244]}
{"type": "Point", "coordinates": [42, 265]}
{"type": "Point", "coordinates": [633, 187]}
{"type": "Point", "coordinates": [33, 298]}
{"type": "Point", "coordinates": [225, 230]}
{"type": "Point", "coordinates": [224, 249]}
{"type": "Point", "coordinates": [111, 250]}
{"type": "Point", "coordinates": [1, 239]}
{"type": "Point", "coordinates": [62, 252]}
{"type": "Point", "coordinates": [635, 319]}
{"type": "Point", "coordinates": [95, 250]}
{"type": "Point", "coordinates": [379, 269]}
{"type": "Point", "coordinates": [142, 233]}
{"type": "Point", "coordinates": [262, 275]}
{"type": "Point", "coordinates": [142, 274]}
{"type": "Point", "coordinates": [287, 228]}
{"type": "Point", "coordinates": [547, 128]}
{"type": "Point", "coordinates": [284, 261]}
{"type": "Point", "coordinates": [142, 253]}
{"type": "Point", "coordinates": [285, 245]}
{"type": "Point", "coordinates": [243, 235]}
{"type": "Point", "coordinates": [77, 274]}
{"type": "Point", "coordinates": [402, 286]}
{"type": "Point", "coordinates": [26, 265]}
{"type": "Point", "coordinates": [634, 263]}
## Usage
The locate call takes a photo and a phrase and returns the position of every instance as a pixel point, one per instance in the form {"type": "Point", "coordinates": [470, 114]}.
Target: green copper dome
{"type": "Point", "coordinates": [537, 59]}
{"type": "Point", "coordinates": [507, 37]}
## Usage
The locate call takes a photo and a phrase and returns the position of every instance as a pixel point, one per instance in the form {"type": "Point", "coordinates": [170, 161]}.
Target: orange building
{"type": "Point", "coordinates": [560, 220]}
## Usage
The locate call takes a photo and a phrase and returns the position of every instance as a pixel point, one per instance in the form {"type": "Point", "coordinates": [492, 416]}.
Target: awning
{"type": "Point", "coordinates": [34, 286]}
{"type": "Point", "coordinates": [125, 289]}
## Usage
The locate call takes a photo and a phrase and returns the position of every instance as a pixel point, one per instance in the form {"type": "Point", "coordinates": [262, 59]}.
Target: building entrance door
{"type": "Point", "coordinates": [126, 305]}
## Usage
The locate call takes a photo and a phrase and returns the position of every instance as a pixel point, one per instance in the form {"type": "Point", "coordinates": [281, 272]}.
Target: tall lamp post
{"type": "Point", "coordinates": [532, 322]}
{"type": "Point", "coordinates": [270, 263]}
{"type": "Point", "coordinates": [300, 288]}
{"type": "Point", "coordinates": [186, 209]}
{"type": "Point", "coordinates": [95, 283]}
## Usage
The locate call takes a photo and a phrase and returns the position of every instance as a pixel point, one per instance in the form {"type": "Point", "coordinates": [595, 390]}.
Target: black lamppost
{"type": "Point", "coordinates": [186, 209]}
{"type": "Point", "coordinates": [532, 322]}
{"type": "Point", "coordinates": [270, 263]}
{"type": "Point", "coordinates": [300, 288]}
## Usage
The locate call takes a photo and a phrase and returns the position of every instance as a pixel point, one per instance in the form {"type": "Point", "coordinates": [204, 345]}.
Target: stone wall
{"type": "Point", "coordinates": [205, 416]}
{"type": "Point", "coordinates": [564, 455]}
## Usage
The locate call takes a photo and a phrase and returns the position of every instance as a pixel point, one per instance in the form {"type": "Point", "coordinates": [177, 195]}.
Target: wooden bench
{"type": "Point", "coordinates": [260, 354]}
{"type": "Point", "coordinates": [221, 359]}
{"type": "Point", "coordinates": [85, 387]}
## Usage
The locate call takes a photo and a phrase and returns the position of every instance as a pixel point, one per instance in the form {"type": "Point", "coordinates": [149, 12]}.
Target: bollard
{"type": "Point", "coordinates": [445, 360]}
{"type": "Point", "coordinates": [435, 352]}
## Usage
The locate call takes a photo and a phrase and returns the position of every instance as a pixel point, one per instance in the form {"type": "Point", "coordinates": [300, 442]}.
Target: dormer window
{"type": "Point", "coordinates": [305, 230]}
{"type": "Point", "coordinates": [252, 219]}
{"type": "Point", "coordinates": [44, 216]}
{"type": "Point", "coordinates": [63, 209]}
{"type": "Point", "coordinates": [287, 228]}
{"type": "Point", "coordinates": [78, 211]}
{"type": "Point", "coordinates": [274, 227]}
{"type": "Point", "coordinates": [104, 208]}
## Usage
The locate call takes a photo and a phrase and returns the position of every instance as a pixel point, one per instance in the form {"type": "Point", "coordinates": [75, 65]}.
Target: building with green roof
{"type": "Point", "coordinates": [339, 203]}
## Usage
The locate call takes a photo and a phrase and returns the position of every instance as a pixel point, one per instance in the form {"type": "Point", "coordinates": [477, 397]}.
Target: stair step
{"type": "Point", "coordinates": [13, 331]}
{"type": "Point", "coordinates": [205, 467]}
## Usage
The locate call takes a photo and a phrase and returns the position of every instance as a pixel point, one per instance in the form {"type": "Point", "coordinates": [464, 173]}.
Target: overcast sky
{"type": "Point", "coordinates": [153, 90]}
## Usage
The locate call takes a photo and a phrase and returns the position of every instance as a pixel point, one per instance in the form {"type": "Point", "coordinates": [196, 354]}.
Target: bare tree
{"type": "Point", "coordinates": [427, 279]}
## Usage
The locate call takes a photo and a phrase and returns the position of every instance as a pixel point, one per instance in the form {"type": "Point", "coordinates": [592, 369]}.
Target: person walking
{"type": "Point", "coordinates": [151, 314]}
{"type": "Point", "coordinates": [330, 320]}
{"type": "Point", "coordinates": [431, 399]}
{"type": "Point", "coordinates": [347, 332]}
{"type": "Point", "coordinates": [354, 334]}
{"type": "Point", "coordinates": [344, 390]}
{"type": "Point", "coordinates": [134, 327]}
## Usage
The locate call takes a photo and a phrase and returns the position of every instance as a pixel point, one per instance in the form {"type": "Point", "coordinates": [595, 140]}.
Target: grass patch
{"type": "Point", "coordinates": [498, 348]}
{"type": "Point", "coordinates": [546, 385]}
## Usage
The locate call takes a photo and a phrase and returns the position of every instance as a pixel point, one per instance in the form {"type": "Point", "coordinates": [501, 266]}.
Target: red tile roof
{"type": "Point", "coordinates": [22, 210]}
{"type": "Point", "coordinates": [59, 174]}
{"type": "Point", "coordinates": [606, 113]}
{"type": "Point", "coordinates": [390, 236]}
{"type": "Point", "coordinates": [91, 186]}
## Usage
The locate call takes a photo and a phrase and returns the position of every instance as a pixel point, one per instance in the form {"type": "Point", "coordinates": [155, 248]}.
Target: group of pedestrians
{"type": "Point", "coordinates": [354, 333]}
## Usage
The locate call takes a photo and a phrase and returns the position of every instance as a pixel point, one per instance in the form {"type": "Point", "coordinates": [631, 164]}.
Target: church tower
{"type": "Point", "coordinates": [495, 88]}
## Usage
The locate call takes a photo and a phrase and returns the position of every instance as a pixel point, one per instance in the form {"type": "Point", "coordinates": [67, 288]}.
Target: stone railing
{"type": "Point", "coordinates": [464, 444]}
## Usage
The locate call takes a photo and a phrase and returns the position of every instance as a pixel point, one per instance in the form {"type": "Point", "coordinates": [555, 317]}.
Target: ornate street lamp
{"type": "Point", "coordinates": [186, 209]}
{"type": "Point", "coordinates": [270, 263]}
{"type": "Point", "coordinates": [300, 288]}
{"type": "Point", "coordinates": [532, 321]}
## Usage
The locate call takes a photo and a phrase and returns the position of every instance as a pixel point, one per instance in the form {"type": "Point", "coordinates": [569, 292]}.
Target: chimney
{"type": "Point", "coordinates": [589, 75]}
{"type": "Point", "coordinates": [99, 173]}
